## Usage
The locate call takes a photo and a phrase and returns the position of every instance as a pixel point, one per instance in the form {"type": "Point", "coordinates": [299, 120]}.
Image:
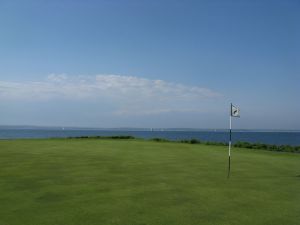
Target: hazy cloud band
{"type": "Point", "coordinates": [130, 95]}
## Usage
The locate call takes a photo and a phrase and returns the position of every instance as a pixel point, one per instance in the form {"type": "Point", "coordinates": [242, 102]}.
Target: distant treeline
{"type": "Point", "coordinates": [278, 148]}
{"type": "Point", "coordinates": [239, 144]}
{"type": "Point", "coordinates": [103, 137]}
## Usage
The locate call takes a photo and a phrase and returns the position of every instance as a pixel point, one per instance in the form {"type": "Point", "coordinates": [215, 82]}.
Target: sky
{"type": "Point", "coordinates": [138, 63]}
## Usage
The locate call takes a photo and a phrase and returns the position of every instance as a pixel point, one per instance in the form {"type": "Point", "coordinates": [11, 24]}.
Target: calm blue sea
{"type": "Point", "coordinates": [278, 138]}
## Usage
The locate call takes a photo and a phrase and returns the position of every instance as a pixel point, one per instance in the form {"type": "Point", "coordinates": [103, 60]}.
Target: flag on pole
{"type": "Point", "coordinates": [235, 111]}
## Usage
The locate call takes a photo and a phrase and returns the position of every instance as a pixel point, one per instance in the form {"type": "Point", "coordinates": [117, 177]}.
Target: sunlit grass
{"type": "Point", "coordinates": [135, 182]}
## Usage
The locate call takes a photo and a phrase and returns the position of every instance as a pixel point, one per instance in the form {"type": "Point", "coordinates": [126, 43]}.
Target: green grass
{"type": "Point", "coordinates": [136, 182]}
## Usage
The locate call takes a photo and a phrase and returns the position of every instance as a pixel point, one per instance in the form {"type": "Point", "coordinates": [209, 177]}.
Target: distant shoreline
{"type": "Point", "coordinates": [239, 144]}
{"type": "Point", "coordinates": [28, 127]}
{"type": "Point", "coordinates": [268, 137]}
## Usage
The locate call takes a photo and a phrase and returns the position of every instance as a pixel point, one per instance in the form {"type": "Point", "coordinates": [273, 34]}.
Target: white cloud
{"type": "Point", "coordinates": [129, 94]}
{"type": "Point", "coordinates": [57, 77]}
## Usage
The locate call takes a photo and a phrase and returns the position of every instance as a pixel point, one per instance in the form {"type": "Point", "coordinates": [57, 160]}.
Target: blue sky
{"type": "Point", "coordinates": [150, 63]}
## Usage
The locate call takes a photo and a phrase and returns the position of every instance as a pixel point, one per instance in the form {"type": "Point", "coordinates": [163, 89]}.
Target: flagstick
{"type": "Point", "coordinates": [229, 146]}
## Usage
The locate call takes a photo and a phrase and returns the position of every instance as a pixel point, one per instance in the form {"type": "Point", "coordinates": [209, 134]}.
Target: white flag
{"type": "Point", "coordinates": [235, 111]}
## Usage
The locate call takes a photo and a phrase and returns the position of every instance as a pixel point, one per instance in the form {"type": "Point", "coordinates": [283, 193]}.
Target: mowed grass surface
{"type": "Point", "coordinates": [135, 182]}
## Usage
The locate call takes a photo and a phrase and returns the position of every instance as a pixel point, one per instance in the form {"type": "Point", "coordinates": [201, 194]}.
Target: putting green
{"type": "Point", "coordinates": [136, 182]}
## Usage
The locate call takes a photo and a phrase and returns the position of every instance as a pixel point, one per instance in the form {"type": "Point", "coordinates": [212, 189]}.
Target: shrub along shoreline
{"type": "Point", "coordinates": [239, 144]}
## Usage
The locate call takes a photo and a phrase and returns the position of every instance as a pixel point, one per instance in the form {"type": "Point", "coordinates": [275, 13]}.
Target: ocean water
{"type": "Point", "coordinates": [277, 138]}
